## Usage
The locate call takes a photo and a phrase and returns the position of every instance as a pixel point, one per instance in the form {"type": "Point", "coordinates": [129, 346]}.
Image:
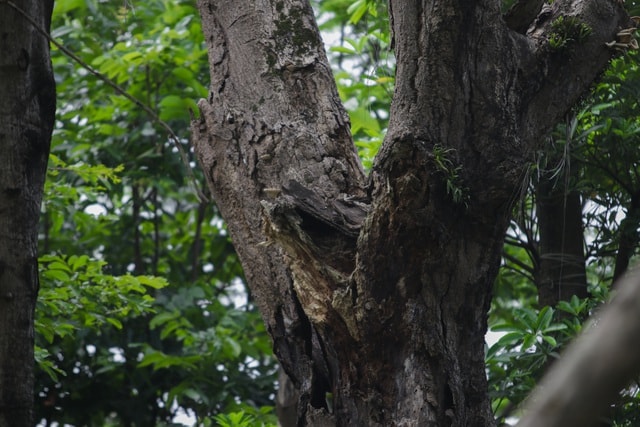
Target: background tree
{"type": "Point", "coordinates": [26, 120]}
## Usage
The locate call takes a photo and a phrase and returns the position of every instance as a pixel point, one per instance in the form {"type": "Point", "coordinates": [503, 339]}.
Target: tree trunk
{"type": "Point", "coordinates": [375, 291]}
{"type": "Point", "coordinates": [27, 90]}
{"type": "Point", "coordinates": [628, 238]}
{"type": "Point", "coordinates": [562, 270]}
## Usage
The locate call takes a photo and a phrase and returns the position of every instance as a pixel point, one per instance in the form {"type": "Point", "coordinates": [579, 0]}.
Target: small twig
{"type": "Point", "coordinates": [152, 114]}
{"type": "Point", "coordinates": [525, 270]}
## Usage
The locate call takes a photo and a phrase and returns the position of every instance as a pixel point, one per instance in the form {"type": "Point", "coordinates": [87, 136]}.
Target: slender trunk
{"type": "Point", "coordinates": [136, 203]}
{"type": "Point", "coordinates": [628, 238]}
{"type": "Point", "coordinates": [562, 270]}
{"type": "Point", "coordinates": [27, 111]}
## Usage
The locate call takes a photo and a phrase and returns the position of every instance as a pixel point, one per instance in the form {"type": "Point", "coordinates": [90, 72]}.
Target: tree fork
{"type": "Point", "coordinates": [375, 292]}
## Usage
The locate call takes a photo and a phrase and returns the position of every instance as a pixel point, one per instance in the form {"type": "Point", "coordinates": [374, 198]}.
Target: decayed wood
{"type": "Point", "coordinates": [375, 292]}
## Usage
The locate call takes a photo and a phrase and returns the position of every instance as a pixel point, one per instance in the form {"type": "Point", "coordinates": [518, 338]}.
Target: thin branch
{"type": "Point", "coordinates": [509, 240]}
{"type": "Point", "coordinates": [527, 268]}
{"type": "Point", "coordinates": [529, 246]}
{"type": "Point", "coordinates": [519, 272]}
{"type": "Point", "coordinates": [152, 114]}
{"type": "Point", "coordinates": [156, 231]}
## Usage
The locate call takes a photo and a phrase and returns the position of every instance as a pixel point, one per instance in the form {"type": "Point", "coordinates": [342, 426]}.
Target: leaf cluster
{"type": "Point", "coordinates": [566, 31]}
{"type": "Point", "coordinates": [363, 65]}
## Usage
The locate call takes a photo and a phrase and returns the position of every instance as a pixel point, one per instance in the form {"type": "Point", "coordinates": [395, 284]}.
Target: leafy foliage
{"type": "Point", "coordinates": [566, 31]}
{"type": "Point", "coordinates": [364, 67]}
{"type": "Point", "coordinates": [241, 419]}
{"type": "Point", "coordinates": [531, 340]}
{"type": "Point", "coordinates": [598, 158]}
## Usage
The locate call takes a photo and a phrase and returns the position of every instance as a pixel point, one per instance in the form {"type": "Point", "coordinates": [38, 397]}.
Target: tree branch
{"type": "Point", "coordinates": [561, 74]}
{"type": "Point", "coordinates": [274, 142]}
{"type": "Point", "coordinates": [526, 270]}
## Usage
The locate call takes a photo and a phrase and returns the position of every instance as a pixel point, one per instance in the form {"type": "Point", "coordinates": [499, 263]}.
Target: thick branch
{"type": "Point", "coordinates": [461, 134]}
{"type": "Point", "coordinates": [273, 123]}
{"type": "Point", "coordinates": [275, 144]}
{"type": "Point", "coordinates": [562, 75]}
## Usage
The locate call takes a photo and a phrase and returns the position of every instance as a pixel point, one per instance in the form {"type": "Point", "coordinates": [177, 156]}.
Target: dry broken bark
{"type": "Point", "coordinates": [375, 289]}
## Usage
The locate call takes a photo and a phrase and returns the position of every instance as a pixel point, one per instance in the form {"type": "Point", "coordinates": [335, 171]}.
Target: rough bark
{"type": "Point", "coordinates": [27, 110]}
{"type": "Point", "coordinates": [522, 14]}
{"type": "Point", "coordinates": [375, 292]}
{"type": "Point", "coordinates": [580, 387]}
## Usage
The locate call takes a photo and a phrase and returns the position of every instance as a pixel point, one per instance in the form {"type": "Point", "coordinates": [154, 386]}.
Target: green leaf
{"type": "Point", "coordinates": [115, 322]}
{"type": "Point", "coordinates": [361, 119]}
{"type": "Point", "coordinates": [66, 6]}
{"type": "Point", "coordinates": [342, 49]}
{"type": "Point", "coordinates": [544, 318]}
{"type": "Point", "coordinates": [357, 10]}
{"type": "Point", "coordinates": [154, 282]}
{"type": "Point", "coordinates": [58, 275]}
{"type": "Point", "coordinates": [550, 340]}
{"type": "Point", "coordinates": [231, 348]}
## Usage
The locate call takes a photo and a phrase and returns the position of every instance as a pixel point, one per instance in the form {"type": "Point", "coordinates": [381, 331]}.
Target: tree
{"type": "Point", "coordinates": [27, 114]}
{"type": "Point", "coordinates": [375, 289]}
